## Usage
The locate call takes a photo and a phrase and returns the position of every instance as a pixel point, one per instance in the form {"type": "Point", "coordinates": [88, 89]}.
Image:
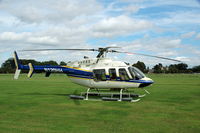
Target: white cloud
{"type": "Point", "coordinates": [198, 36]}
{"type": "Point", "coordinates": [179, 18]}
{"type": "Point", "coordinates": [29, 24]}
{"type": "Point", "coordinates": [188, 34]}
{"type": "Point", "coordinates": [120, 25]}
{"type": "Point", "coordinates": [168, 53]}
{"type": "Point", "coordinates": [11, 36]}
{"type": "Point", "coordinates": [43, 40]}
{"type": "Point", "coordinates": [26, 37]}
{"type": "Point", "coordinates": [183, 58]}
{"type": "Point", "coordinates": [156, 3]}
{"type": "Point", "coordinates": [131, 9]}
{"type": "Point", "coordinates": [49, 10]}
{"type": "Point", "coordinates": [161, 44]}
{"type": "Point", "coordinates": [158, 47]}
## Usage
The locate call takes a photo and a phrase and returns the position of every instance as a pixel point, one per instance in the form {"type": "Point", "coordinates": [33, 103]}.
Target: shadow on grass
{"type": "Point", "coordinates": [44, 94]}
{"type": "Point", "coordinates": [180, 84]}
{"type": "Point", "coordinates": [77, 102]}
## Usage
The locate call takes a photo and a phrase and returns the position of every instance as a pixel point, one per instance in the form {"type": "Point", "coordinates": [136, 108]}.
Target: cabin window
{"type": "Point", "coordinates": [123, 74]}
{"type": "Point", "coordinates": [99, 74]}
{"type": "Point", "coordinates": [112, 73]}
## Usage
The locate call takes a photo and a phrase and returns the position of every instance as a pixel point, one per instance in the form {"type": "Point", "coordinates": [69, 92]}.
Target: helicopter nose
{"type": "Point", "coordinates": [146, 82]}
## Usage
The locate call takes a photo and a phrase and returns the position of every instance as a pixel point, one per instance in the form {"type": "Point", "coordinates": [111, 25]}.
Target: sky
{"type": "Point", "coordinates": [168, 28]}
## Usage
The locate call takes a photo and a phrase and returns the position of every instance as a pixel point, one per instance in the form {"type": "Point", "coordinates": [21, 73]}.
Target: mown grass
{"type": "Point", "coordinates": [42, 105]}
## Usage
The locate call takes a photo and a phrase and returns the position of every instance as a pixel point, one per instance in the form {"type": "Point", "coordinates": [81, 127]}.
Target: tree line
{"type": "Point", "coordinates": [9, 66]}
{"type": "Point", "coordinates": [173, 68]}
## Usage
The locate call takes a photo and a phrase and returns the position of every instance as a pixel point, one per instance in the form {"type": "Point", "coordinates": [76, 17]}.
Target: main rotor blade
{"type": "Point", "coordinates": [69, 49]}
{"type": "Point", "coordinates": [112, 47]}
{"type": "Point", "coordinates": [100, 50]}
{"type": "Point", "coordinates": [59, 49]}
{"type": "Point", "coordinates": [149, 56]}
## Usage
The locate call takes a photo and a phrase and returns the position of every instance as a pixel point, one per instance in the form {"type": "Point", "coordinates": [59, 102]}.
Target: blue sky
{"type": "Point", "coordinates": [164, 28]}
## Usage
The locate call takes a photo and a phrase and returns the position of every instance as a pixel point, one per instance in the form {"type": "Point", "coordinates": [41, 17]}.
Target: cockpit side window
{"type": "Point", "coordinates": [132, 73]}
{"type": "Point", "coordinates": [123, 74]}
{"type": "Point", "coordinates": [136, 73]}
{"type": "Point", "coordinates": [99, 74]}
{"type": "Point", "coordinates": [112, 74]}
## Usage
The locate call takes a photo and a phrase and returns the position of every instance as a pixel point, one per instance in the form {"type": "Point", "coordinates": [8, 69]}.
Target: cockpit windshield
{"type": "Point", "coordinates": [136, 73]}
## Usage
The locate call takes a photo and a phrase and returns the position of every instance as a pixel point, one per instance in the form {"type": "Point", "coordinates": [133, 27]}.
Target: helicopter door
{"type": "Point", "coordinates": [112, 74]}
{"type": "Point", "coordinates": [123, 74]}
{"type": "Point", "coordinates": [99, 76]}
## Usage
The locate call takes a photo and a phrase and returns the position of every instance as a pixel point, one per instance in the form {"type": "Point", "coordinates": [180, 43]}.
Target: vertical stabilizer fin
{"type": "Point", "coordinates": [18, 70]}
{"type": "Point", "coordinates": [16, 59]}
{"type": "Point", "coordinates": [31, 70]}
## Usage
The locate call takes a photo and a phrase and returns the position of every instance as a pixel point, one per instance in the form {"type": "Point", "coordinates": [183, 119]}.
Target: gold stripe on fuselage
{"type": "Point", "coordinates": [77, 68]}
{"type": "Point", "coordinates": [78, 77]}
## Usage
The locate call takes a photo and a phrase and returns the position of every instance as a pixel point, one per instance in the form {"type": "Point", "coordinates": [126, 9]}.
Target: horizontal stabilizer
{"type": "Point", "coordinates": [31, 70]}
{"type": "Point", "coordinates": [47, 74]}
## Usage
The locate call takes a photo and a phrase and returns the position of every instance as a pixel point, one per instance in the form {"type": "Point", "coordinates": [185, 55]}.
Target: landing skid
{"type": "Point", "coordinates": [108, 96]}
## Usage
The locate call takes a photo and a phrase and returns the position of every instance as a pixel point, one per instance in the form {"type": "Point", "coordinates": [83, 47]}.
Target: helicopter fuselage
{"type": "Point", "coordinates": [106, 73]}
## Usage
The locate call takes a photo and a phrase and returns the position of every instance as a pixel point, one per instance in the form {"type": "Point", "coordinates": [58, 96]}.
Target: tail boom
{"type": "Point", "coordinates": [32, 68]}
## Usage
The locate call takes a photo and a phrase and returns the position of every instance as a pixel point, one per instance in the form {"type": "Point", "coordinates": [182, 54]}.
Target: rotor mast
{"type": "Point", "coordinates": [103, 52]}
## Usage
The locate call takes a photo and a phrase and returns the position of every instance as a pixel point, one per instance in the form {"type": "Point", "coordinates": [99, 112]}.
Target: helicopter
{"type": "Point", "coordinates": [96, 73]}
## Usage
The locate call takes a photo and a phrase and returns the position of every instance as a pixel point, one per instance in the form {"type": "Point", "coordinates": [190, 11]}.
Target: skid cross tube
{"type": "Point", "coordinates": [121, 92]}
{"type": "Point", "coordinates": [86, 97]}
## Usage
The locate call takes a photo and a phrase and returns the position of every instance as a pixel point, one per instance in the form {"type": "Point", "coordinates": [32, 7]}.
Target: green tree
{"type": "Point", "coordinates": [51, 62]}
{"type": "Point", "coordinates": [196, 69]}
{"type": "Point", "coordinates": [8, 66]}
{"type": "Point", "coordinates": [158, 68]}
{"type": "Point", "coordinates": [172, 69]}
{"type": "Point", "coordinates": [141, 66]}
{"type": "Point", "coordinates": [26, 61]}
{"type": "Point", "coordinates": [178, 68]}
{"type": "Point", "coordinates": [182, 67]}
{"type": "Point", "coordinates": [62, 63]}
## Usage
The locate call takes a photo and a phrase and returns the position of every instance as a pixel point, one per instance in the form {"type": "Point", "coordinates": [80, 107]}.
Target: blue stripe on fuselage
{"type": "Point", "coordinates": [77, 73]}
{"type": "Point", "coordinates": [50, 68]}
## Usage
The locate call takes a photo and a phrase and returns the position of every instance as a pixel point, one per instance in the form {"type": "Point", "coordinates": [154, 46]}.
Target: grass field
{"type": "Point", "coordinates": [41, 105]}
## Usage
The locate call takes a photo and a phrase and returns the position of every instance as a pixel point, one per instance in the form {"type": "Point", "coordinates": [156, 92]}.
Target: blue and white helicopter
{"type": "Point", "coordinates": [96, 73]}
